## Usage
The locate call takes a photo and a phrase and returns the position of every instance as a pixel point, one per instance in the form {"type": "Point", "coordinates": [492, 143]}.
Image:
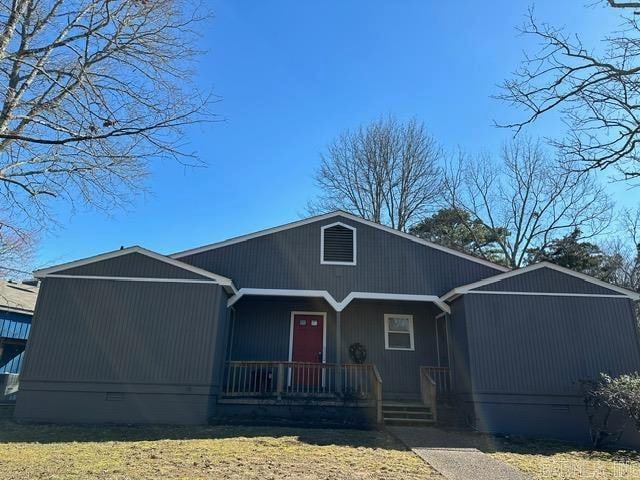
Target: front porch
{"type": "Point", "coordinates": [331, 385]}
{"type": "Point", "coordinates": [263, 365]}
{"type": "Point", "coordinates": [289, 351]}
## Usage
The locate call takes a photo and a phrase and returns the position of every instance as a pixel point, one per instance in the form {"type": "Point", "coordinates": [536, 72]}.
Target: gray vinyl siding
{"type": "Point", "coordinates": [441, 329]}
{"type": "Point", "coordinates": [262, 325]}
{"type": "Point", "coordinates": [112, 331]}
{"type": "Point", "coordinates": [363, 322]}
{"type": "Point", "coordinates": [290, 259]}
{"type": "Point", "coordinates": [261, 331]}
{"type": "Point", "coordinates": [459, 345]}
{"type": "Point", "coordinates": [132, 265]}
{"type": "Point", "coordinates": [546, 280]}
{"type": "Point", "coordinates": [546, 345]}
{"type": "Point", "coordinates": [528, 354]}
{"type": "Point", "coordinates": [149, 344]}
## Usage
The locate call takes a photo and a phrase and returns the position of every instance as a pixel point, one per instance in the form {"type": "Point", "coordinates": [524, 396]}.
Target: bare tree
{"type": "Point", "coordinates": [616, 4]}
{"type": "Point", "coordinates": [595, 92]}
{"type": "Point", "coordinates": [92, 91]}
{"type": "Point", "coordinates": [624, 250]}
{"type": "Point", "coordinates": [528, 198]}
{"type": "Point", "coordinates": [388, 172]}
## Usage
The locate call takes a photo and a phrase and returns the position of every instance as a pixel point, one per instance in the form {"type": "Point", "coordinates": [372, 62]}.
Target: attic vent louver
{"type": "Point", "coordinates": [338, 244]}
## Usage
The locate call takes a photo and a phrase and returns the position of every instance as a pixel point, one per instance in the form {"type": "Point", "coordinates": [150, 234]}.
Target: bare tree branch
{"type": "Point", "coordinates": [596, 93]}
{"type": "Point", "coordinates": [387, 172]}
{"type": "Point", "coordinates": [615, 4]}
{"type": "Point", "coordinates": [527, 199]}
{"type": "Point", "coordinates": [91, 93]}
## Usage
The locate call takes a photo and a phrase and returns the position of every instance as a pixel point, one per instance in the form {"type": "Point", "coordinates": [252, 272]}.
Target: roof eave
{"type": "Point", "coordinates": [219, 279]}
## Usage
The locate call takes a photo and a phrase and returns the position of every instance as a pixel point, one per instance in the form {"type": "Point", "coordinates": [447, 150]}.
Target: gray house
{"type": "Point", "coordinates": [329, 318]}
{"type": "Point", "coordinates": [17, 301]}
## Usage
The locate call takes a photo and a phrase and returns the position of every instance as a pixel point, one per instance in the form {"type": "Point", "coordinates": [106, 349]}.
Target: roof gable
{"type": "Point", "coordinates": [134, 262]}
{"type": "Point", "coordinates": [337, 215]}
{"type": "Point", "coordinates": [543, 277]}
{"type": "Point", "coordinates": [290, 259]}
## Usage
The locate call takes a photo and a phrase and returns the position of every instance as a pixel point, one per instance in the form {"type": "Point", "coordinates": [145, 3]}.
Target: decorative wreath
{"type": "Point", "coordinates": [358, 352]}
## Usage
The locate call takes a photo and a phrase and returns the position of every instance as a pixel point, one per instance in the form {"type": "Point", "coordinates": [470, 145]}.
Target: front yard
{"type": "Point", "coordinates": [560, 461]}
{"type": "Point", "coordinates": [68, 452]}
{"type": "Point", "coordinates": [65, 452]}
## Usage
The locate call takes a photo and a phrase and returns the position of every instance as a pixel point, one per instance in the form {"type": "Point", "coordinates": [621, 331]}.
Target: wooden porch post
{"type": "Point", "coordinates": [338, 352]}
{"type": "Point", "coordinates": [280, 380]}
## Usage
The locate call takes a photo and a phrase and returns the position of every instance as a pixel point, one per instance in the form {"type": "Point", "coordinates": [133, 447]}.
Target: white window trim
{"type": "Point", "coordinates": [387, 316]}
{"type": "Point", "coordinates": [355, 244]}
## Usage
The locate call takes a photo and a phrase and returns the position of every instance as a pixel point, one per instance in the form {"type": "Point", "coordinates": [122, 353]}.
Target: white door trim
{"type": "Point", "coordinates": [324, 332]}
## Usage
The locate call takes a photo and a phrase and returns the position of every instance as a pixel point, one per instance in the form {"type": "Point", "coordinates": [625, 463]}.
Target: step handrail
{"type": "Point", "coordinates": [377, 391]}
{"type": "Point", "coordinates": [428, 392]}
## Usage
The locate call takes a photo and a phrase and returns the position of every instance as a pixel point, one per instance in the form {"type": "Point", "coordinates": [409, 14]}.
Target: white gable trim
{"type": "Point", "coordinates": [134, 279]}
{"type": "Point", "coordinates": [348, 216]}
{"type": "Point", "coordinates": [503, 276]}
{"type": "Point", "coordinates": [546, 294]}
{"type": "Point", "coordinates": [22, 311]}
{"type": "Point", "coordinates": [403, 297]}
{"type": "Point", "coordinates": [143, 251]}
{"type": "Point", "coordinates": [338, 306]}
{"type": "Point", "coordinates": [355, 244]}
{"type": "Point", "coordinates": [278, 292]}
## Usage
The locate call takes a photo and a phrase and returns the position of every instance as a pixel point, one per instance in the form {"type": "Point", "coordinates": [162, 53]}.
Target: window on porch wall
{"type": "Point", "coordinates": [398, 331]}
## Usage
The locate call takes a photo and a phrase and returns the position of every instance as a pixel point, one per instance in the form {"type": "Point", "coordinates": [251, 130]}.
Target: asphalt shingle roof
{"type": "Point", "coordinates": [17, 297]}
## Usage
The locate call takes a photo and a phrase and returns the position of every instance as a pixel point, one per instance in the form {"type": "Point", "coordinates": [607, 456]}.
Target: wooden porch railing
{"type": "Point", "coordinates": [377, 389]}
{"type": "Point", "coordinates": [258, 379]}
{"type": "Point", "coordinates": [428, 391]}
{"type": "Point", "coordinates": [442, 377]}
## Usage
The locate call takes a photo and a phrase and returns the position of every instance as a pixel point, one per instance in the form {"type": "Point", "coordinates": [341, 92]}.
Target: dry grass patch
{"type": "Point", "coordinates": [69, 452]}
{"type": "Point", "coordinates": [559, 461]}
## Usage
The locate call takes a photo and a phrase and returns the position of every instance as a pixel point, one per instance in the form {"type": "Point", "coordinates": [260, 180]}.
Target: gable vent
{"type": "Point", "coordinates": [338, 244]}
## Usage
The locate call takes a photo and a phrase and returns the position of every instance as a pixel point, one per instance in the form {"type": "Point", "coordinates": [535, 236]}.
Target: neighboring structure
{"type": "Point", "coordinates": [17, 302]}
{"type": "Point", "coordinates": [332, 317]}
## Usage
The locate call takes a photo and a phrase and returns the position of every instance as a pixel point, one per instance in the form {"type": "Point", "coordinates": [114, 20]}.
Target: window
{"type": "Point", "coordinates": [398, 332]}
{"type": "Point", "coordinates": [338, 244]}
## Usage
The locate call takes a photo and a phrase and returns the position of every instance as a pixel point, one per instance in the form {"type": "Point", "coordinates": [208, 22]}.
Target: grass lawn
{"type": "Point", "coordinates": [560, 461]}
{"type": "Point", "coordinates": [67, 452]}
{"type": "Point", "coordinates": [233, 452]}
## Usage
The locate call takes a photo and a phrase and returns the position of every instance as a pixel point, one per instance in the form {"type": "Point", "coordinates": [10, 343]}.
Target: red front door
{"type": "Point", "coordinates": [307, 338]}
{"type": "Point", "coordinates": [307, 348]}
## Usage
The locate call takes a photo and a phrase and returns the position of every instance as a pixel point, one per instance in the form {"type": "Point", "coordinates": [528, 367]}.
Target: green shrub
{"type": "Point", "coordinates": [607, 395]}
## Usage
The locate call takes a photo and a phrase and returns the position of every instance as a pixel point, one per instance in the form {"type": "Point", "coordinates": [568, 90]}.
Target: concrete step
{"type": "Point", "coordinates": [403, 412]}
{"type": "Point", "coordinates": [392, 403]}
{"type": "Point", "coordinates": [407, 413]}
{"type": "Point", "coordinates": [405, 408]}
{"type": "Point", "coordinates": [403, 416]}
{"type": "Point", "coordinates": [409, 421]}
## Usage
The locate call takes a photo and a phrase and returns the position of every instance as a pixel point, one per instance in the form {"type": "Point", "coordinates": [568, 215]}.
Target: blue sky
{"type": "Point", "coordinates": [291, 75]}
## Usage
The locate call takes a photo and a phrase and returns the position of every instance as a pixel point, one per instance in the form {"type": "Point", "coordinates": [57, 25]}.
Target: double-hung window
{"type": "Point", "coordinates": [398, 332]}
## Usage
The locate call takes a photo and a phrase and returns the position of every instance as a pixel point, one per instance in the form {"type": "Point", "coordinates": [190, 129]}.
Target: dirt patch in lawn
{"type": "Point", "coordinates": [76, 452]}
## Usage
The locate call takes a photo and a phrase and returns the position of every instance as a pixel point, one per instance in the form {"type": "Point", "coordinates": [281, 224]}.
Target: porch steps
{"type": "Point", "coordinates": [406, 413]}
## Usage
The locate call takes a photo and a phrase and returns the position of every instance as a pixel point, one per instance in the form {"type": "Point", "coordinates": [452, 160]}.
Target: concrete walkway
{"type": "Point", "coordinates": [455, 455]}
